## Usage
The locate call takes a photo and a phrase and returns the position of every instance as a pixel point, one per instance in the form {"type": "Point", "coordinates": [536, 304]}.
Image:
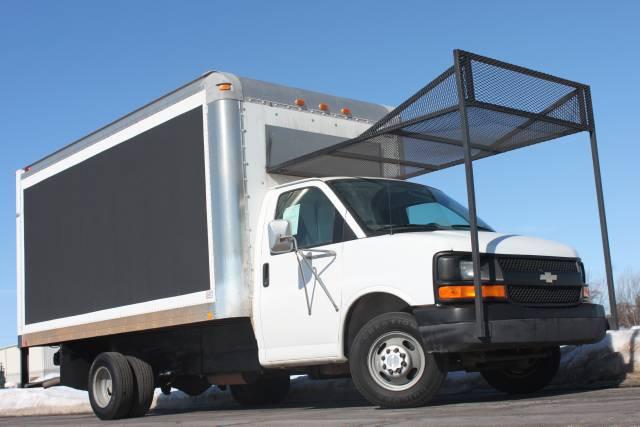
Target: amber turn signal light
{"type": "Point", "coordinates": [468, 291]}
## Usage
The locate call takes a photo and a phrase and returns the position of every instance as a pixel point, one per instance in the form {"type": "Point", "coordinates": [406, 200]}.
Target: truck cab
{"type": "Point", "coordinates": [369, 268]}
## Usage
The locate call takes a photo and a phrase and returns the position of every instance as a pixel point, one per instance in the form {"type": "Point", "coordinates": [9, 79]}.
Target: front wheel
{"type": "Point", "coordinates": [525, 376]}
{"type": "Point", "coordinates": [389, 365]}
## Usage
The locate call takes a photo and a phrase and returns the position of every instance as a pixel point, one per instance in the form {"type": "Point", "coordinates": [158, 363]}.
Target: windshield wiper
{"type": "Point", "coordinates": [408, 227]}
{"type": "Point", "coordinates": [467, 226]}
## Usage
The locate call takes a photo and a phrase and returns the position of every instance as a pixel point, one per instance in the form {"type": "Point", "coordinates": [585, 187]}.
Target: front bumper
{"type": "Point", "coordinates": [450, 328]}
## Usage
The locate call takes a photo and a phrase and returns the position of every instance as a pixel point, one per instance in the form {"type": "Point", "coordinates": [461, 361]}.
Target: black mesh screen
{"type": "Point", "coordinates": [535, 265]}
{"type": "Point", "coordinates": [544, 295]}
{"type": "Point", "coordinates": [507, 107]}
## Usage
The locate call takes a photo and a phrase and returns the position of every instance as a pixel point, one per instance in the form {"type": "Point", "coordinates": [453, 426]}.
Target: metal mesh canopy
{"type": "Point", "coordinates": [506, 107]}
{"type": "Point", "coordinates": [477, 108]}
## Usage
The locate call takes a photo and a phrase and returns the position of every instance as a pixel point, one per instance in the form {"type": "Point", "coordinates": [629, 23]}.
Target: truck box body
{"type": "Point", "coordinates": [148, 222]}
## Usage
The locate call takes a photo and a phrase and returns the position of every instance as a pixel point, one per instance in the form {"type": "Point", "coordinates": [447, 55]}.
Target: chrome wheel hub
{"type": "Point", "coordinates": [102, 387]}
{"type": "Point", "coordinates": [396, 361]}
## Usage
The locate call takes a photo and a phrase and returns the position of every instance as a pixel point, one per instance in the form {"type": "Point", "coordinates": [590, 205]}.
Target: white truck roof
{"type": "Point", "coordinates": [243, 89]}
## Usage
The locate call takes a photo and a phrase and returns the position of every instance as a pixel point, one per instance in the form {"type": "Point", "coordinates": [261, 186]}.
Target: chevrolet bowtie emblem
{"type": "Point", "coordinates": [548, 277]}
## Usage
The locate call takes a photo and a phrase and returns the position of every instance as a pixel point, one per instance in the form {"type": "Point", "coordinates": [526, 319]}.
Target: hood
{"type": "Point", "coordinates": [490, 242]}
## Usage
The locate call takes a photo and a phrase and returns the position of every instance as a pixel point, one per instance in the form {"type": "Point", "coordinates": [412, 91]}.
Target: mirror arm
{"type": "Point", "coordinates": [323, 253]}
{"type": "Point", "coordinates": [300, 255]}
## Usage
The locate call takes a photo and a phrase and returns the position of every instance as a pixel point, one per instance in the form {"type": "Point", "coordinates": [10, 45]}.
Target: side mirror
{"type": "Point", "coordinates": [280, 239]}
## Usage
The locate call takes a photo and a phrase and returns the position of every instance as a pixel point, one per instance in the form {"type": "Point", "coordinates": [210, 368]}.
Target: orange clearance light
{"type": "Point", "coordinates": [299, 102]}
{"type": "Point", "coordinates": [224, 86]}
{"type": "Point", "coordinates": [345, 111]}
{"type": "Point", "coordinates": [468, 291]}
{"type": "Point", "coordinates": [323, 106]}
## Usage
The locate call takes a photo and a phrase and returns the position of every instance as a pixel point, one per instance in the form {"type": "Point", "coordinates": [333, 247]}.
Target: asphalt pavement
{"type": "Point", "coordinates": [613, 406]}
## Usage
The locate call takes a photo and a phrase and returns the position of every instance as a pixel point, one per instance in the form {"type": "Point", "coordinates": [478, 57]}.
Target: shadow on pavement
{"type": "Point", "coordinates": [323, 402]}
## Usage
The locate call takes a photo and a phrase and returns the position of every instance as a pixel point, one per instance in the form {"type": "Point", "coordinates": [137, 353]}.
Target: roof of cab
{"type": "Point", "coordinates": [333, 178]}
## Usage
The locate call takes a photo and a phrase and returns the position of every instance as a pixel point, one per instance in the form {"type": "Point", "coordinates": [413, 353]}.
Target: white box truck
{"type": "Point", "coordinates": [195, 242]}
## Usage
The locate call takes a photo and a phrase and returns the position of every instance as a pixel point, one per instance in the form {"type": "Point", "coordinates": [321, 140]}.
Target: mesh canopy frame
{"type": "Point", "coordinates": [478, 108]}
{"type": "Point", "coordinates": [506, 106]}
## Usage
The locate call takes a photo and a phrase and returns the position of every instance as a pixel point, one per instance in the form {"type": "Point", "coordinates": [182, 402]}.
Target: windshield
{"type": "Point", "coordinates": [384, 206]}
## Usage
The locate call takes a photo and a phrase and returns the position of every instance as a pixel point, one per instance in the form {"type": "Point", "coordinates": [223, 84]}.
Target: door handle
{"type": "Point", "coordinates": [265, 275]}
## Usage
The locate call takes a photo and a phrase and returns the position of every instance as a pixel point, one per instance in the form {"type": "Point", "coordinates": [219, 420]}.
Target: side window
{"type": "Point", "coordinates": [313, 218]}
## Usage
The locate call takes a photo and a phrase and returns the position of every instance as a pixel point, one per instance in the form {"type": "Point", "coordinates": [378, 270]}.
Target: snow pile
{"type": "Point", "coordinates": [611, 361]}
{"type": "Point", "coordinates": [39, 401]}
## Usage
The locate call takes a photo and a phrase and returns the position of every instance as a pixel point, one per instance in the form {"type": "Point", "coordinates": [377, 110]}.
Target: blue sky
{"type": "Point", "coordinates": [69, 67]}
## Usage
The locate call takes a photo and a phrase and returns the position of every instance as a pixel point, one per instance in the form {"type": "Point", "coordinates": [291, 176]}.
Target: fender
{"type": "Point", "coordinates": [348, 305]}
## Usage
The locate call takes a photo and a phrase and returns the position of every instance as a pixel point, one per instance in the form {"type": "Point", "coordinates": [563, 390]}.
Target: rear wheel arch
{"type": "Point", "coordinates": [366, 308]}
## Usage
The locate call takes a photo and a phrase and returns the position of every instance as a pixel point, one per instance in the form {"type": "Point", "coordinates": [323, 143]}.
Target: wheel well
{"type": "Point", "coordinates": [366, 308]}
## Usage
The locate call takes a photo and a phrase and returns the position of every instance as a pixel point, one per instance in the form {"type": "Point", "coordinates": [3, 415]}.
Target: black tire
{"type": "Point", "coordinates": [519, 379]}
{"type": "Point", "coordinates": [112, 402]}
{"type": "Point", "coordinates": [266, 391]}
{"type": "Point", "coordinates": [143, 387]}
{"type": "Point", "coordinates": [375, 385]}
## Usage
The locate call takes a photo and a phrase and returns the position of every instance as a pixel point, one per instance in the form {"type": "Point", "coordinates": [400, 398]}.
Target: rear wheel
{"type": "Point", "coordinates": [265, 391]}
{"type": "Point", "coordinates": [143, 387]}
{"type": "Point", "coordinates": [110, 386]}
{"type": "Point", "coordinates": [389, 365]}
{"type": "Point", "coordinates": [526, 376]}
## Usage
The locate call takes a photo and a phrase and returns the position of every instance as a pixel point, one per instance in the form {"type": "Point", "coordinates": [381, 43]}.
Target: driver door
{"type": "Point", "coordinates": [299, 320]}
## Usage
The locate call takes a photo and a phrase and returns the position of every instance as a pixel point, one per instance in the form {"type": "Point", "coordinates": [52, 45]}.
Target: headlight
{"type": "Point", "coordinates": [459, 268]}
{"type": "Point", "coordinates": [454, 277]}
{"type": "Point", "coordinates": [466, 270]}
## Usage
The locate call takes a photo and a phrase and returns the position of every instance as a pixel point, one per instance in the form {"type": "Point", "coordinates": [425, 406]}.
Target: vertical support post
{"type": "Point", "coordinates": [585, 104]}
{"type": "Point", "coordinates": [603, 228]}
{"type": "Point", "coordinates": [228, 196]}
{"type": "Point", "coordinates": [24, 366]}
{"type": "Point", "coordinates": [481, 326]}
